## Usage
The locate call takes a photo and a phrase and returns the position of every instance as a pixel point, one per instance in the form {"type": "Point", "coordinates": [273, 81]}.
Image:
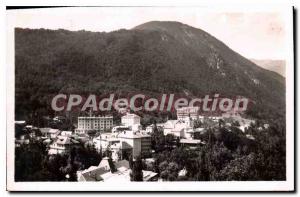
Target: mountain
{"type": "Point", "coordinates": [155, 57]}
{"type": "Point", "coordinates": [277, 66]}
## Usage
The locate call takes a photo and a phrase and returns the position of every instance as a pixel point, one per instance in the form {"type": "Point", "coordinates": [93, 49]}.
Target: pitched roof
{"type": "Point", "coordinates": [95, 174]}
{"type": "Point", "coordinates": [147, 175]}
{"type": "Point", "coordinates": [129, 115]}
{"type": "Point", "coordinates": [131, 134]}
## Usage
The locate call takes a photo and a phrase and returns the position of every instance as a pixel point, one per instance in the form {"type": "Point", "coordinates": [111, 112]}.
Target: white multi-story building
{"type": "Point", "coordinates": [97, 123]}
{"type": "Point", "coordinates": [105, 140]}
{"type": "Point", "coordinates": [127, 141]}
{"type": "Point", "coordinates": [178, 127]}
{"type": "Point", "coordinates": [187, 112]}
{"type": "Point", "coordinates": [136, 142]}
{"type": "Point", "coordinates": [130, 120]}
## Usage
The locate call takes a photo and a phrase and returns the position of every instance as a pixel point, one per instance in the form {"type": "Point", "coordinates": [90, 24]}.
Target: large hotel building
{"type": "Point", "coordinates": [184, 112]}
{"type": "Point", "coordinates": [97, 123]}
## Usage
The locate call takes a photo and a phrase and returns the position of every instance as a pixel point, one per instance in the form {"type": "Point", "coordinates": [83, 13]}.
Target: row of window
{"type": "Point", "coordinates": [91, 122]}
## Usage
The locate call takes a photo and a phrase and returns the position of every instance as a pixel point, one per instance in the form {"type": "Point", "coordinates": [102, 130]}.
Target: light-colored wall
{"type": "Point", "coordinates": [130, 120]}
{"type": "Point", "coordinates": [134, 143]}
{"type": "Point", "coordinates": [94, 123]}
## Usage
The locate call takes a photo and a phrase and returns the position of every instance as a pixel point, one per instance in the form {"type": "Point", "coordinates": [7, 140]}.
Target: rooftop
{"type": "Point", "coordinates": [129, 115]}
{"type": "Point", "coordinates": [132, 134]}
{"type": "Point", "coordinates": [190, 141]}
{"type": "Point", "coordinates": [102, 172]}
{"type": "Point", "coordinates": [95, 174]}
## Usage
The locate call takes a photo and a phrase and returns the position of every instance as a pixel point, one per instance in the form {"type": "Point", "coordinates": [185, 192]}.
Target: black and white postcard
{"type": "Point", "coordinates": [150, 98]}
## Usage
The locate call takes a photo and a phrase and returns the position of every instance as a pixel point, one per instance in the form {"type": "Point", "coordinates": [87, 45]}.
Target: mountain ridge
{"type": "Point", "coordinates": [176, 59]}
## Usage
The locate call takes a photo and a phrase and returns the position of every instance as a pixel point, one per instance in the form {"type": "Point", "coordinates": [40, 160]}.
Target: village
{"type": "Point", "coordinates": [129, 138]}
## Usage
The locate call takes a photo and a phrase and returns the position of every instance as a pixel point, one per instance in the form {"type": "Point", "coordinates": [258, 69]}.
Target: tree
{"type": "Point", "coordinates": [29, 160]}
{"type": "Point", "coordinates": [240, 169]}
{"type": "Point", "coordinates": [157, 139]}
{"type": "Point", "coordinates": [203, 166]}
{"type": "Point", "coordinates": [137, 170]}
{"type": "Point", "coordinates": [92, 133]}
{"type": "Point", "coordinates": [168, 171]}
{"type": "Point", "coordinates": [112, 165]}
{"type": "Point", "coordinates": [197, 124]}
{"type": "Point", "coordinates": [220, 156]}
{"type": "Point", "coordinates": [169, 141]}
{"type": "Point", "coordinates": [87, 156]}
{"type": "Point", "coordinates": [236, 124]}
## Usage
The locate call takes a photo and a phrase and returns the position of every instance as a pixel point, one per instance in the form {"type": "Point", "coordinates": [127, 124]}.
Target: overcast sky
{"type": "Point", "coordinates": [259, 35]}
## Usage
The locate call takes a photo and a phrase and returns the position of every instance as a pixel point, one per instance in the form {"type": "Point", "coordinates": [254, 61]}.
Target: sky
{"type": "Point", "coordinates": [253, 34]}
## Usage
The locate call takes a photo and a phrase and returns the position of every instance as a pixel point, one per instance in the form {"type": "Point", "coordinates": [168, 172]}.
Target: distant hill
{"type": "Point", "coordinates": [156, 57]}
{"type": "Point", "coordinates": [277, 66]}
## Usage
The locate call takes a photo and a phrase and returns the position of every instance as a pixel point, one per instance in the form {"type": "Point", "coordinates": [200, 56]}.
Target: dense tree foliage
{"type": "Point", "coordinates": [136, 166]}
{"type": "Point", "coordinates": [32, 163]}
{"type": "Point", "coordinates": [49, 62]}
{"type": "Point", "coordinates": [227, 155]}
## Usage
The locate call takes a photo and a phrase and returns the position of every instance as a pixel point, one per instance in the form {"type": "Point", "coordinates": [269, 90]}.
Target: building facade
{"type": "Point", "coordinates": [130, 119]}
{"type": "Point", "coordinates": [96, 123]}
{"type": "Point", "coordinates": [187, 112]}
{"type": "Point", "coordinates": [136, 142]}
